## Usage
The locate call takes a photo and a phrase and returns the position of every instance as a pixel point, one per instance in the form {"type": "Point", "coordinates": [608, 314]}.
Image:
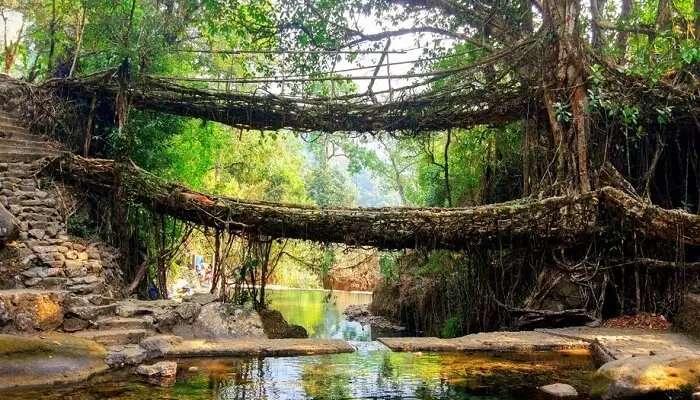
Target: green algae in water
{"type": "Point", "coordinates": [370, 373]}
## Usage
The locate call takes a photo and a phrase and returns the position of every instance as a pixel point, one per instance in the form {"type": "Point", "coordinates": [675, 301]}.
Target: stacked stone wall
{"type": "Point", "coordinates": [45, 256]}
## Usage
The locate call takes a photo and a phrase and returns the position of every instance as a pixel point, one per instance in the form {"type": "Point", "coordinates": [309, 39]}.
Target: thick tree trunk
{"type": "Point", "coordinates": [697, 19]}
{"type": "Point", "coordinates": [621, 42]}
{"type": "Point", "coordinates": [597, 7]}
{"type": "Point", "coordinates": [565, 95]}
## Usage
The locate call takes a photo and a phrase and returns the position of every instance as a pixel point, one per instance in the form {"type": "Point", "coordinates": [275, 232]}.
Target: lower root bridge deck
{"type": "Point", "coordinates": [562, 219]}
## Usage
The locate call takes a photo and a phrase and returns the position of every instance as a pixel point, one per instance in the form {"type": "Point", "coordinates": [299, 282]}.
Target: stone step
{"type": "Point", "coordinates": [7, 119]}
{"type": "Point", "coordinates": [93, 313]}
{"type": "Point", "coordinates": [38, 152]}
{"type": "Point", "coordinates": [10, 131]}
{"type": "Point", "coordinates": [23, 136]}
{"type": "Point", "coordinates": [35, 147]}
{"type": "Point", "coordinates": [116, 336]}
{"type": "Point", "coordinates": [112, 323]}
{"type": "Point", "coordinates": [35, 142]}
{"type": "Point", "coordinates": [6, 125]}
{"type": "Point", "coordinates": [22, 157]}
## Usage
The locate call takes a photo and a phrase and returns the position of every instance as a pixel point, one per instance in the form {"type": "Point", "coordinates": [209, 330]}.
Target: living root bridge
{"type": "Point", "coordinates": [560, 220]}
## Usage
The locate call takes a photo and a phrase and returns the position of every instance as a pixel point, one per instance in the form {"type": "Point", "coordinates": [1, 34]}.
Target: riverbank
{"type": "Point", "coordinates": [634, 362]}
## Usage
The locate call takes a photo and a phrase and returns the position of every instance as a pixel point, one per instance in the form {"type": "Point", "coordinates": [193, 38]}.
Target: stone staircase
{"type": "Point", "coordinates": [58, 282]}
{"type": "Point", "coordinates": [103, 324]}
{"type": "Point", "coordinates": [52, 281]}
{"type": "Point", "coordinates": [18, 145]}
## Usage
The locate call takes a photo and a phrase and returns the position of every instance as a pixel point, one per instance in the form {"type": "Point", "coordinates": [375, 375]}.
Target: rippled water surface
{"type": "Point", "coordinates": [373, 372]}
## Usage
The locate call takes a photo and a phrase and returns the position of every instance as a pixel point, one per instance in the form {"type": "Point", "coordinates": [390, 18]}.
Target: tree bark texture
{"type": "Point", "coordinates": [565, 94]}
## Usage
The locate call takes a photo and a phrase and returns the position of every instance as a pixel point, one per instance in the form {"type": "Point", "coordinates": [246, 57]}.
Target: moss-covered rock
{"type": "Point", "coordinates": [28, 310]}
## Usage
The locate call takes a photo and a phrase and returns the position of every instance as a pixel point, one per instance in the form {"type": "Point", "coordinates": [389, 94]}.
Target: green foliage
{"type": "Point", "coordinates": [450, 328]}
{"type": "Point", "coordinates": [561, 110]}
{"type": "Point", "coordinates": [388, 266]}
{"type": "Point", "coordinates": [328, 188]}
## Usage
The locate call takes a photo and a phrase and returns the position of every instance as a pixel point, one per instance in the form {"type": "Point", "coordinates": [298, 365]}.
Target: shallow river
{"type": "Point", "coordinates": [373, 372]}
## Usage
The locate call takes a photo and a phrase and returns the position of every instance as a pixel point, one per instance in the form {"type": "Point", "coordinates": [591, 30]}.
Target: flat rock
{"type": "Point", "coordinates": [91, 313]}
{"type": "Point", "coordinates": [487, 341]}
{"type": "Point", "coordinates": [74, 324]}
{"type": "Point", "coordinates": [162, 368]}
{"type": "Point", "coordinates": [623, 343]}
{"type": "Point", "coordinates": [201, 298]}
{"type": "Point", "coordinates": [115, 336]}
{"type": "Point", "coordinates": [48, 360]}
{"type": "Point", "coordinates": [644, 375]}
{"type": "Point", "coordinates": [131, 354]}
{"type": "Point", "coordinates": [161, 373]}
{"type": "Point", "coordinates": [559, 391]}
{"type": "Point", "coordinates": [159, 345]}
{"type": "Point", "coordinates": [256, 347]}
{"type": "Point", "coordinates": [143, 322]}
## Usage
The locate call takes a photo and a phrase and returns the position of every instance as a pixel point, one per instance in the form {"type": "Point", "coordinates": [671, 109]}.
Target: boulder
{"type": "Point", "coordinates": [227, 321]}
{"type": "Point", "coordinates": [687, 319]}
{"type": "Point", "coordinates": [276, 327]}
{"type": "Point", "coordinates": [9, 227]}
{"type": "Point", "coordinates": [161, 373]}
{"type": "Point", "coordinates": [559, 391]}
{"type": "Point", "coordinates": [28, 311]}
{"type": "Point", "coordinates": [296, 332]}
{"type": "Point", "coordinates": [646, 375]}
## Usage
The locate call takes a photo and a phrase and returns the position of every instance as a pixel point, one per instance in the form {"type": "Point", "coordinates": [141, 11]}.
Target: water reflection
{"type": "Point", "coordinates": [371, 373]}
{"type": "Point", "coordinates": [321, 312]}
{"type": "Point", "coordinates": [379, 374]}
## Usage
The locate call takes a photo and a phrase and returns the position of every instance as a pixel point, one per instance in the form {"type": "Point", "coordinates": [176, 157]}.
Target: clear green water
{"type": "Point", "coordinates": [373, 372]}
{"type": "Point", "coordinates": [321, 312]}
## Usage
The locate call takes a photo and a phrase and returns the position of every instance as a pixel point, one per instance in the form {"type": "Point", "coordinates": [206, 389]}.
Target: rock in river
{"type": "Point", "coordinates": [559, 391]}
{"type": "Point", "coordinates": [227, 321]}
{"type": "Point", "coordinates": [647, 375]}
{"type": "Point", "coordinates": [161, 373]}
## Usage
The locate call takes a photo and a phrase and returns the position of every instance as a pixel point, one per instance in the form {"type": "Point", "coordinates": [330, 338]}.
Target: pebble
{"type": "Point", "coordinates": [559, 391]}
